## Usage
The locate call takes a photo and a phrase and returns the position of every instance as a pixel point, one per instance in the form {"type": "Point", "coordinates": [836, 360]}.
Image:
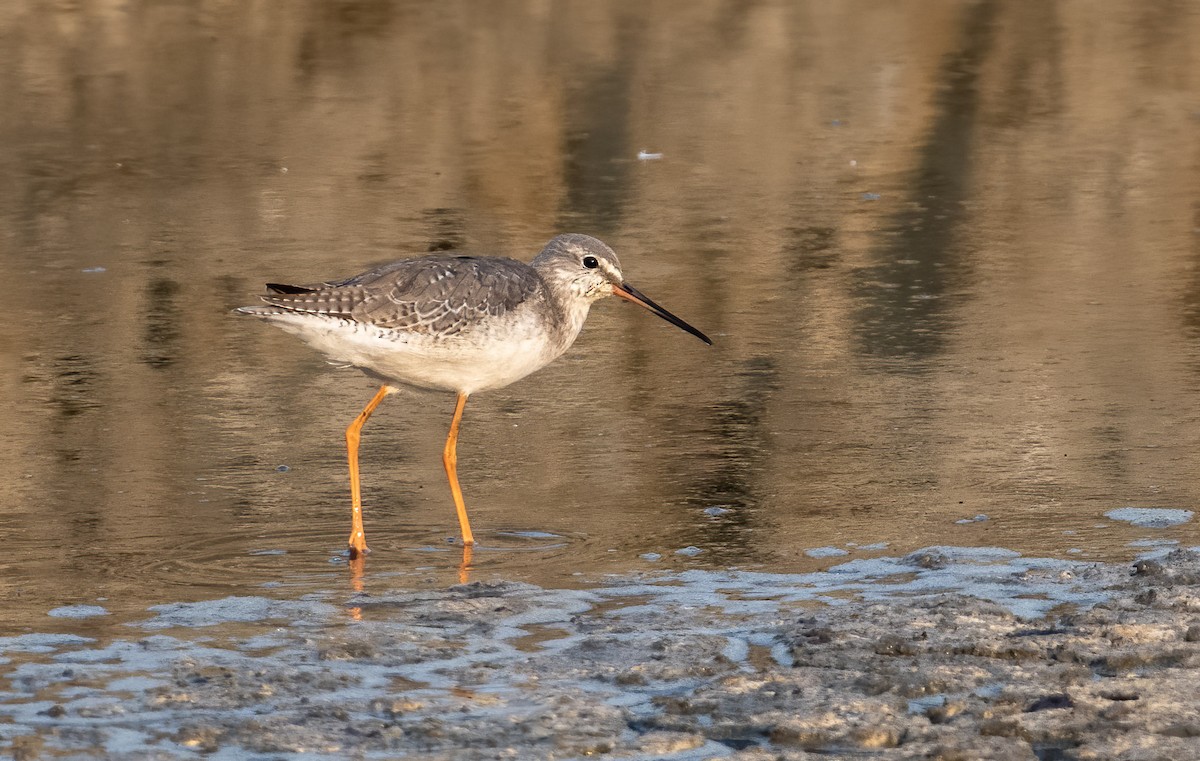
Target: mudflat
{"type": "Point", "coordinates": [948, 653]}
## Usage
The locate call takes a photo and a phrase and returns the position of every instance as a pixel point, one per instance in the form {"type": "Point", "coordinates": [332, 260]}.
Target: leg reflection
{"type": "Point", "coordinates": [464, 569]}
{"type": "Point", "coordinates": [357, 564]}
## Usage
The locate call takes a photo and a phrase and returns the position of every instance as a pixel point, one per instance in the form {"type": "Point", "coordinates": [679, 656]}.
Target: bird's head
{"type": "Point", "coordinates": [584, 268]}
{"type": "Point", "coordinates": [580, 265]}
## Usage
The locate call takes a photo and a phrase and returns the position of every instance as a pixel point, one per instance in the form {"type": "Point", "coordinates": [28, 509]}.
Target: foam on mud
{"type": "Point", "coordinates": [1150, 517]}
{"type": "Point", "coordinates": [657, 665]}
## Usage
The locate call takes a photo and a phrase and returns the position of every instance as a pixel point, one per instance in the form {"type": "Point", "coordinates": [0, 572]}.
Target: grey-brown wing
{"type": "Point", "coordinates": [441, 295]}
{"type": "Point", "coordinates": [446, 295]}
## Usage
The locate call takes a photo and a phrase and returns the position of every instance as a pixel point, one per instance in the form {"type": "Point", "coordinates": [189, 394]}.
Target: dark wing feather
{"type": "Point", "coordinates": [290, 289]}
{"type": "Point", "coordinates": [433, 295]}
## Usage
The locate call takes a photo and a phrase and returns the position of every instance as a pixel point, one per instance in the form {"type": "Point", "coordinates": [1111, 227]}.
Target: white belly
{"type": "Point", "coordinates": [465, 363]}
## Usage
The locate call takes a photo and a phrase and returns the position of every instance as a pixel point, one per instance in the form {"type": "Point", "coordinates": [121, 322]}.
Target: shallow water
{"type": "Point", "coordinates": [947, 253]}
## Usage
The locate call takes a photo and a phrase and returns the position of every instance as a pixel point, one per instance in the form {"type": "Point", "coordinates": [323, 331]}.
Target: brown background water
{"type": "Point", "coordinates": [947, 251]}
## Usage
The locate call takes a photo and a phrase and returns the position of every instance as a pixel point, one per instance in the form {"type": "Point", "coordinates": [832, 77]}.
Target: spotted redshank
{"type": "Point", "coordinates": [452, 323]}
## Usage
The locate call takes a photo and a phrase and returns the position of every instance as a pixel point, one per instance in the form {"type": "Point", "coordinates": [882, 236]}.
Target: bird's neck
{"type": "Point", "coordinates": [568, 303]}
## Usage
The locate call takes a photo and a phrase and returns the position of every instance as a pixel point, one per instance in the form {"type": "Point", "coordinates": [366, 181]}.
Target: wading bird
{"type": "Point", "coordinates": [452, 323]}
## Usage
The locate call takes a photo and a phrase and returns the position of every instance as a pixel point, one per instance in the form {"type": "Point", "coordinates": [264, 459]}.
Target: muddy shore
{"type": "Point", "coordinates": [943, 654]}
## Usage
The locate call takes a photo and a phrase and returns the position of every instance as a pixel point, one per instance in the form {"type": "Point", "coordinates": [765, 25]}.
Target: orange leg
{"type": "Point", "coordinates": [358, 538]}
{"type": "Point", "coordinates": [450, 460]}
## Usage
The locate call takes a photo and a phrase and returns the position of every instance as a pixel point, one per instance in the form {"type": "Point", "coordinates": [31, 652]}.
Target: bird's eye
{"type": "Point", "coordinates": [590, 262]}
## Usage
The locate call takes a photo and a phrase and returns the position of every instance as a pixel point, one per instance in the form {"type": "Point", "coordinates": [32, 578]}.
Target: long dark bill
{"type": "Point", "coordinates": [629, 293]}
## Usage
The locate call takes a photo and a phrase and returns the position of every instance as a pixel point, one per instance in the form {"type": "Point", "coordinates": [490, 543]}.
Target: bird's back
{"type": "Point", "coordinates": [433, 295]}
{"type": "Point", "coordinates": [459, 323]}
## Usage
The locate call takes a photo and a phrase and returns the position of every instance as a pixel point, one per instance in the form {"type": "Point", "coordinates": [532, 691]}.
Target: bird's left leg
{"type": "Point", "coordinates": [358, 538]}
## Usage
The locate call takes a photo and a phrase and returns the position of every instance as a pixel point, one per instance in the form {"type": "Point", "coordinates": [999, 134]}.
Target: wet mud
{"type": "Point", "coordinates": [945, 653]}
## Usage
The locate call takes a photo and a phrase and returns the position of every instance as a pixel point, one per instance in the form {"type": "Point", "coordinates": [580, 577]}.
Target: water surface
{"type": "Point", "coordinates": [947, 252]}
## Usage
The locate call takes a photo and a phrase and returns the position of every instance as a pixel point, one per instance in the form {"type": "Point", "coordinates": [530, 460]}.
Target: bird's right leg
{"type": "Point", "coordinates": [358, 538]}
{"type": "Point", "coordinates": [450, 460]}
